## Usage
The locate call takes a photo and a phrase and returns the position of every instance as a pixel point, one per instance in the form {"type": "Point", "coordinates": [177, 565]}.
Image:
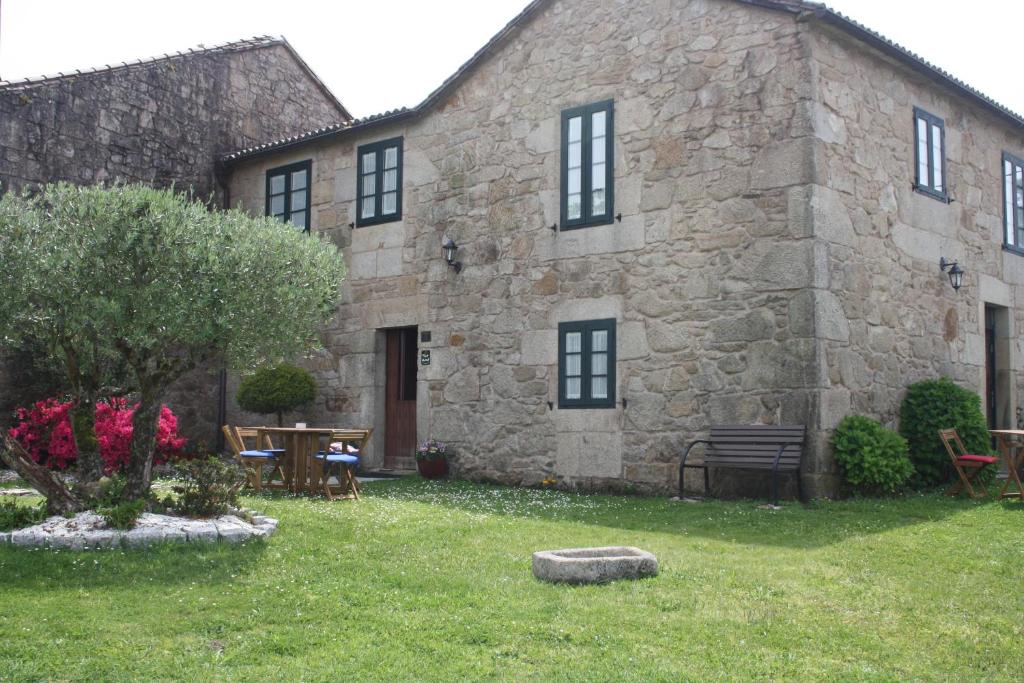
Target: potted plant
{"type": "Point", "coordinates": [432, 459]}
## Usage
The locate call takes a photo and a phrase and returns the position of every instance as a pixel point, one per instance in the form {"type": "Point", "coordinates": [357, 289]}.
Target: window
{"type": "Point", "coordinates": [1013, 201]}
{"type": "Point", "coordinates": [930, 154]}
{"type": "Point", "coordinates": [288, 193]}
{"type": "Point", "coordinates": [586, 364]}
{"type": "Point", "coordinates": [380, 182]}
{"type": "Point", "coordinates": [587, 191]}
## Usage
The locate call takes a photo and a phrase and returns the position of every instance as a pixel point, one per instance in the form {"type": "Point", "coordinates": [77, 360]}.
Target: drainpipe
{"type": "Point", "coordinates": [222, 374]}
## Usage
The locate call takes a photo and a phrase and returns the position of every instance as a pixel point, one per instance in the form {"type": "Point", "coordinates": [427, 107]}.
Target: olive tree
{"type": "Point", "coordinates": [128, 288]}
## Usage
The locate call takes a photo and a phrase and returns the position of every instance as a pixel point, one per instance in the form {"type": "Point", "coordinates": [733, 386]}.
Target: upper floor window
{"type": "Point", "coordinates": [586, 364]}
{"type": "Point", "coordinates": [288, 193]}
{"type": "Point", "coordinates": [380, 182]}
{"type": "Point", "coordinates": [587, 191]}
{"type": "Point", "coordinates": [930, 154]}
{"type": "Point", "coordinates": [1013, 201]}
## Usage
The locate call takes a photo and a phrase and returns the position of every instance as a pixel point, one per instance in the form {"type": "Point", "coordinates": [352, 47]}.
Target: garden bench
{"type": "Point", "coordinates": [778, 448]}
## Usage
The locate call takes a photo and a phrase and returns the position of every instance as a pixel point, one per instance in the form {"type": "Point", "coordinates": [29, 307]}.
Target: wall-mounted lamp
{"type": "Point", "coordinates": [956, 273]}
{"type": "Point", "coordinates": [450, 248]}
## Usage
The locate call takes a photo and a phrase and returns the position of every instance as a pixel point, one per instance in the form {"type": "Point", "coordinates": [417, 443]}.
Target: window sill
{"type": "Point", "coordinates": [589, 224]}
{"type": "Point", "coordinates": [586, 406]}
{"type": "Point", "coordinates": [928, 192]}
{"type": "Point", "coordinates": [377, 221]}
{"type": "Point", "coordinates": [1013, 249]}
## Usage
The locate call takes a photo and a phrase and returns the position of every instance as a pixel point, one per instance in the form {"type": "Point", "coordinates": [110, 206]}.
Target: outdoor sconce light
{"type": "Point", "coordinates": [956, 273]}
{"type": "Point", "coordinates": [450, 248]}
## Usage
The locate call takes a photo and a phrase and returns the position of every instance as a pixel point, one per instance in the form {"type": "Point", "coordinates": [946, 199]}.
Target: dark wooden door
{"type": "Point", "coordinates": [400, 403]}
{"type": "Point", "coordinates": [990, 368]}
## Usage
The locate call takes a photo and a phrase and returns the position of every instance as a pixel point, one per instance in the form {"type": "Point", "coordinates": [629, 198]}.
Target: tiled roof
{"type": "Point", "coordinates": [234, 46]}
{"type": "Point", "coordinates": [802, 8]}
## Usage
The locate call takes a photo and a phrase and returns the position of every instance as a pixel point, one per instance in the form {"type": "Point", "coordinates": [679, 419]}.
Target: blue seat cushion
{"type": "Point", "coordinates": [345, 458]}
{"type": "Point", "coordinates": [274, 451]}
{"type": "Point", "coordinates": [257, 454]}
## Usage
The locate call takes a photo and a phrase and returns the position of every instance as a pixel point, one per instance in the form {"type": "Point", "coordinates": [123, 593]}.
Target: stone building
{"type": "Point", "coordinates": [162, 121]}
{"type": "Point", "coordinates": [751, 233]}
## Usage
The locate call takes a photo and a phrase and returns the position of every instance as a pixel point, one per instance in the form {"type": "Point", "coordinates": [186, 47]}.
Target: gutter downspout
{"type": "Point", "coordinates": [222, 375]}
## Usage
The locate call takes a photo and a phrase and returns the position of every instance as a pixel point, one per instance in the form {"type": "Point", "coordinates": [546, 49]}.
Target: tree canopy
{"type": "Point", "coordinates": [131, 287]}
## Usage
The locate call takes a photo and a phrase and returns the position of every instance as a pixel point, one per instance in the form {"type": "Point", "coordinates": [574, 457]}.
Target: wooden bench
{"type": "Point", "coordinates": [778, 448]}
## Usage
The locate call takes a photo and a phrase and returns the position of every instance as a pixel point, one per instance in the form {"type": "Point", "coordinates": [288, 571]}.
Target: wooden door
{"type": "Point", "coordinates": [991, 378]}
{"type": "Point", "coordinates": [400, 401]}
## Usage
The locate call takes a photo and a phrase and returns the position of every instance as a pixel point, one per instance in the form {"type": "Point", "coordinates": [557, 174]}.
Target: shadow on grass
{"type": "Point", "coordinates": [815, 524]}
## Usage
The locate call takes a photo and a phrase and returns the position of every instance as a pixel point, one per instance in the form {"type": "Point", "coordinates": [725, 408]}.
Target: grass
{"type": "Point", "coordinates": [431, 581]}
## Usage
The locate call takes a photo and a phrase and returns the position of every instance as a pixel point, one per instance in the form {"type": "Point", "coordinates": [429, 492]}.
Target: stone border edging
{"type": "Point", "coordinates": [87, 530]}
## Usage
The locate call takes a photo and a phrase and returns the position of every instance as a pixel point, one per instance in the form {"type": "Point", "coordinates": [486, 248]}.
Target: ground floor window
{"type": "Point", "coordinates": [586, 364]}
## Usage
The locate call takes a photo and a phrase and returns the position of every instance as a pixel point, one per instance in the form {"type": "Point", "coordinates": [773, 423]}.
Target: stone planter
{"type": "Point", "coordinates": [432, 469]}
{"type": "Point", "coordinates": [593, 565]}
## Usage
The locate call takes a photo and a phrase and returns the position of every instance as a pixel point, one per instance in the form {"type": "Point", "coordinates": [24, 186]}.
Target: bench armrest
{"type": "Point", "coordinates": [686, 453]}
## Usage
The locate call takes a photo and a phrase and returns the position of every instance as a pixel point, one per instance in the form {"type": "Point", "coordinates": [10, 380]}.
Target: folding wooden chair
{"type": "Point", "coordinates": [343, 465]}
{"type": "Point", "coordinates": [967, 465]}
{"type": "Point", "coordinates": [254, 459]}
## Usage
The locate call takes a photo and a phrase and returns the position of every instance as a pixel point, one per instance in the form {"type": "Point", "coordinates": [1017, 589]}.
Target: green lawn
{"type": "Point", "coordinates": [431, 581]}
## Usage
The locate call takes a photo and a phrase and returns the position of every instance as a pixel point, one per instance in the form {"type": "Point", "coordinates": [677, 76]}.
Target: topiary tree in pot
{"type": "Point", "coordinates": [936, 404]}
{"type": "Point", "coordinates": [128, 288]}
{"type": "Point", "coordinates": [278, 389]}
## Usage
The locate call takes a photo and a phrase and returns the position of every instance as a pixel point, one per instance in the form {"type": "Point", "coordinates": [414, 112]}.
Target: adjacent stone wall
{"type": "Point", "coordinates": [886, 315]}
{"type": "Point", "coordinates": [705, 274]}
{"type": "Point", "coordinates": [163, 123]}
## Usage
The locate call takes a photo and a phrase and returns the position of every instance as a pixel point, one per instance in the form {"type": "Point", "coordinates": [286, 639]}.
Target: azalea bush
{"type": "Point", "coordinates": [45, 431]}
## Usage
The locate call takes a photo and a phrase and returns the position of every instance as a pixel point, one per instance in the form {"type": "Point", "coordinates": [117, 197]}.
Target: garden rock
{"type": "Point", "coordinates": [594, 565]}
{"type": "Point", "coordinates": [88, 530]}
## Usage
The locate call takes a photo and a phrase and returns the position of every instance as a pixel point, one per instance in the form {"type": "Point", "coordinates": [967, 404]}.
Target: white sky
{"type": "Point", "coordinates": [383, 54]}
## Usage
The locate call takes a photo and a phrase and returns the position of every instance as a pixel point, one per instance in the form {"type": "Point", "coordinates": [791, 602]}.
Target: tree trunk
{"type": "Point", "coordinates": [59, 500]}
{"type": "Point", "coordinates": [89, 467]}
{"type": "Point", "coordinates": [143, 445]}
{"type": "Point", "coordinates": [280, 419]}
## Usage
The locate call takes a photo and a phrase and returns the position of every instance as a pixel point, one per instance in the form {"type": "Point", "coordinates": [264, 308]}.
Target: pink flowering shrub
{"type": "Point", "coordinates": [45, 431]}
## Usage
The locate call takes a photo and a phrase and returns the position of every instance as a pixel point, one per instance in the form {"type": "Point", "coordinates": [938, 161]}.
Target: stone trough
{"type": "Point", "coordinates": [594, 565]}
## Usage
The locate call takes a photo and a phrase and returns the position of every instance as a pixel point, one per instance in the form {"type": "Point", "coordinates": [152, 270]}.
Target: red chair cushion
{"type": "Point", "coordinates": [987, 459]}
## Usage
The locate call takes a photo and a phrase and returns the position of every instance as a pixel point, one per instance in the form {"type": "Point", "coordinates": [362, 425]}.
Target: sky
{"type": "Point", "coordinates": [384, 54]}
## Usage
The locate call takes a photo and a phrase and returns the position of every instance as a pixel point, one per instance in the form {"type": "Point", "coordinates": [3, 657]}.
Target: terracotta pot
{"type": "Point", "coordinates": [432, 469]}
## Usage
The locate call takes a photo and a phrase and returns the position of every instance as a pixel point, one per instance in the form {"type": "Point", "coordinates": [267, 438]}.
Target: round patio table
{"type": "Point", "coordinates": [301, 469]}
{"type": "Point", "coordinates": [1011, 448]}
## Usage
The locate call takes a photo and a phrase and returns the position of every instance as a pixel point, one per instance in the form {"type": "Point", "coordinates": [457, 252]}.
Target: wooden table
{"type": "Point", "coordinates": [301, 469]}
{"type": "Point", "coordinates": [1011, 447]}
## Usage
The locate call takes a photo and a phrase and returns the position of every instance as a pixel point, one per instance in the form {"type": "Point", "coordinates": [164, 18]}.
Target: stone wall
{"type": "Point", "coordinates": [886, 315]}
{"type": "Point", "coordinates": [160, 122]}
{"type": "Point", "coordinates": [705, 274]}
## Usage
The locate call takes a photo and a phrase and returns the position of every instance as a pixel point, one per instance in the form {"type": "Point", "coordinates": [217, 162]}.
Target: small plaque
{"type": "Point", "coordinates": [425, 336]}
{"type": "Point", "coordinates": [425, 357]}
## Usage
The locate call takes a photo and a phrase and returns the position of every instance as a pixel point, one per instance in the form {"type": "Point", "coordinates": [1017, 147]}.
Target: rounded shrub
{"type": "Point", "coordinates": [276, 390]}
{"type": "Point", "coordinates": [873, 459]}
{"type": "Point", "coordinates": [936, 404]}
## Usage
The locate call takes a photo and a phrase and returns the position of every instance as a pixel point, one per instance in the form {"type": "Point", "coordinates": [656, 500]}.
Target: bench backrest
{"type": "Point", "coordinates": [755, 446]}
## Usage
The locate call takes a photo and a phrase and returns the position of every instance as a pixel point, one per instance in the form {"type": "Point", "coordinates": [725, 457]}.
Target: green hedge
{"type": "Point", "coordinates": [936, 404]}
{"type": "Point", "coordinates": [873, 459]}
